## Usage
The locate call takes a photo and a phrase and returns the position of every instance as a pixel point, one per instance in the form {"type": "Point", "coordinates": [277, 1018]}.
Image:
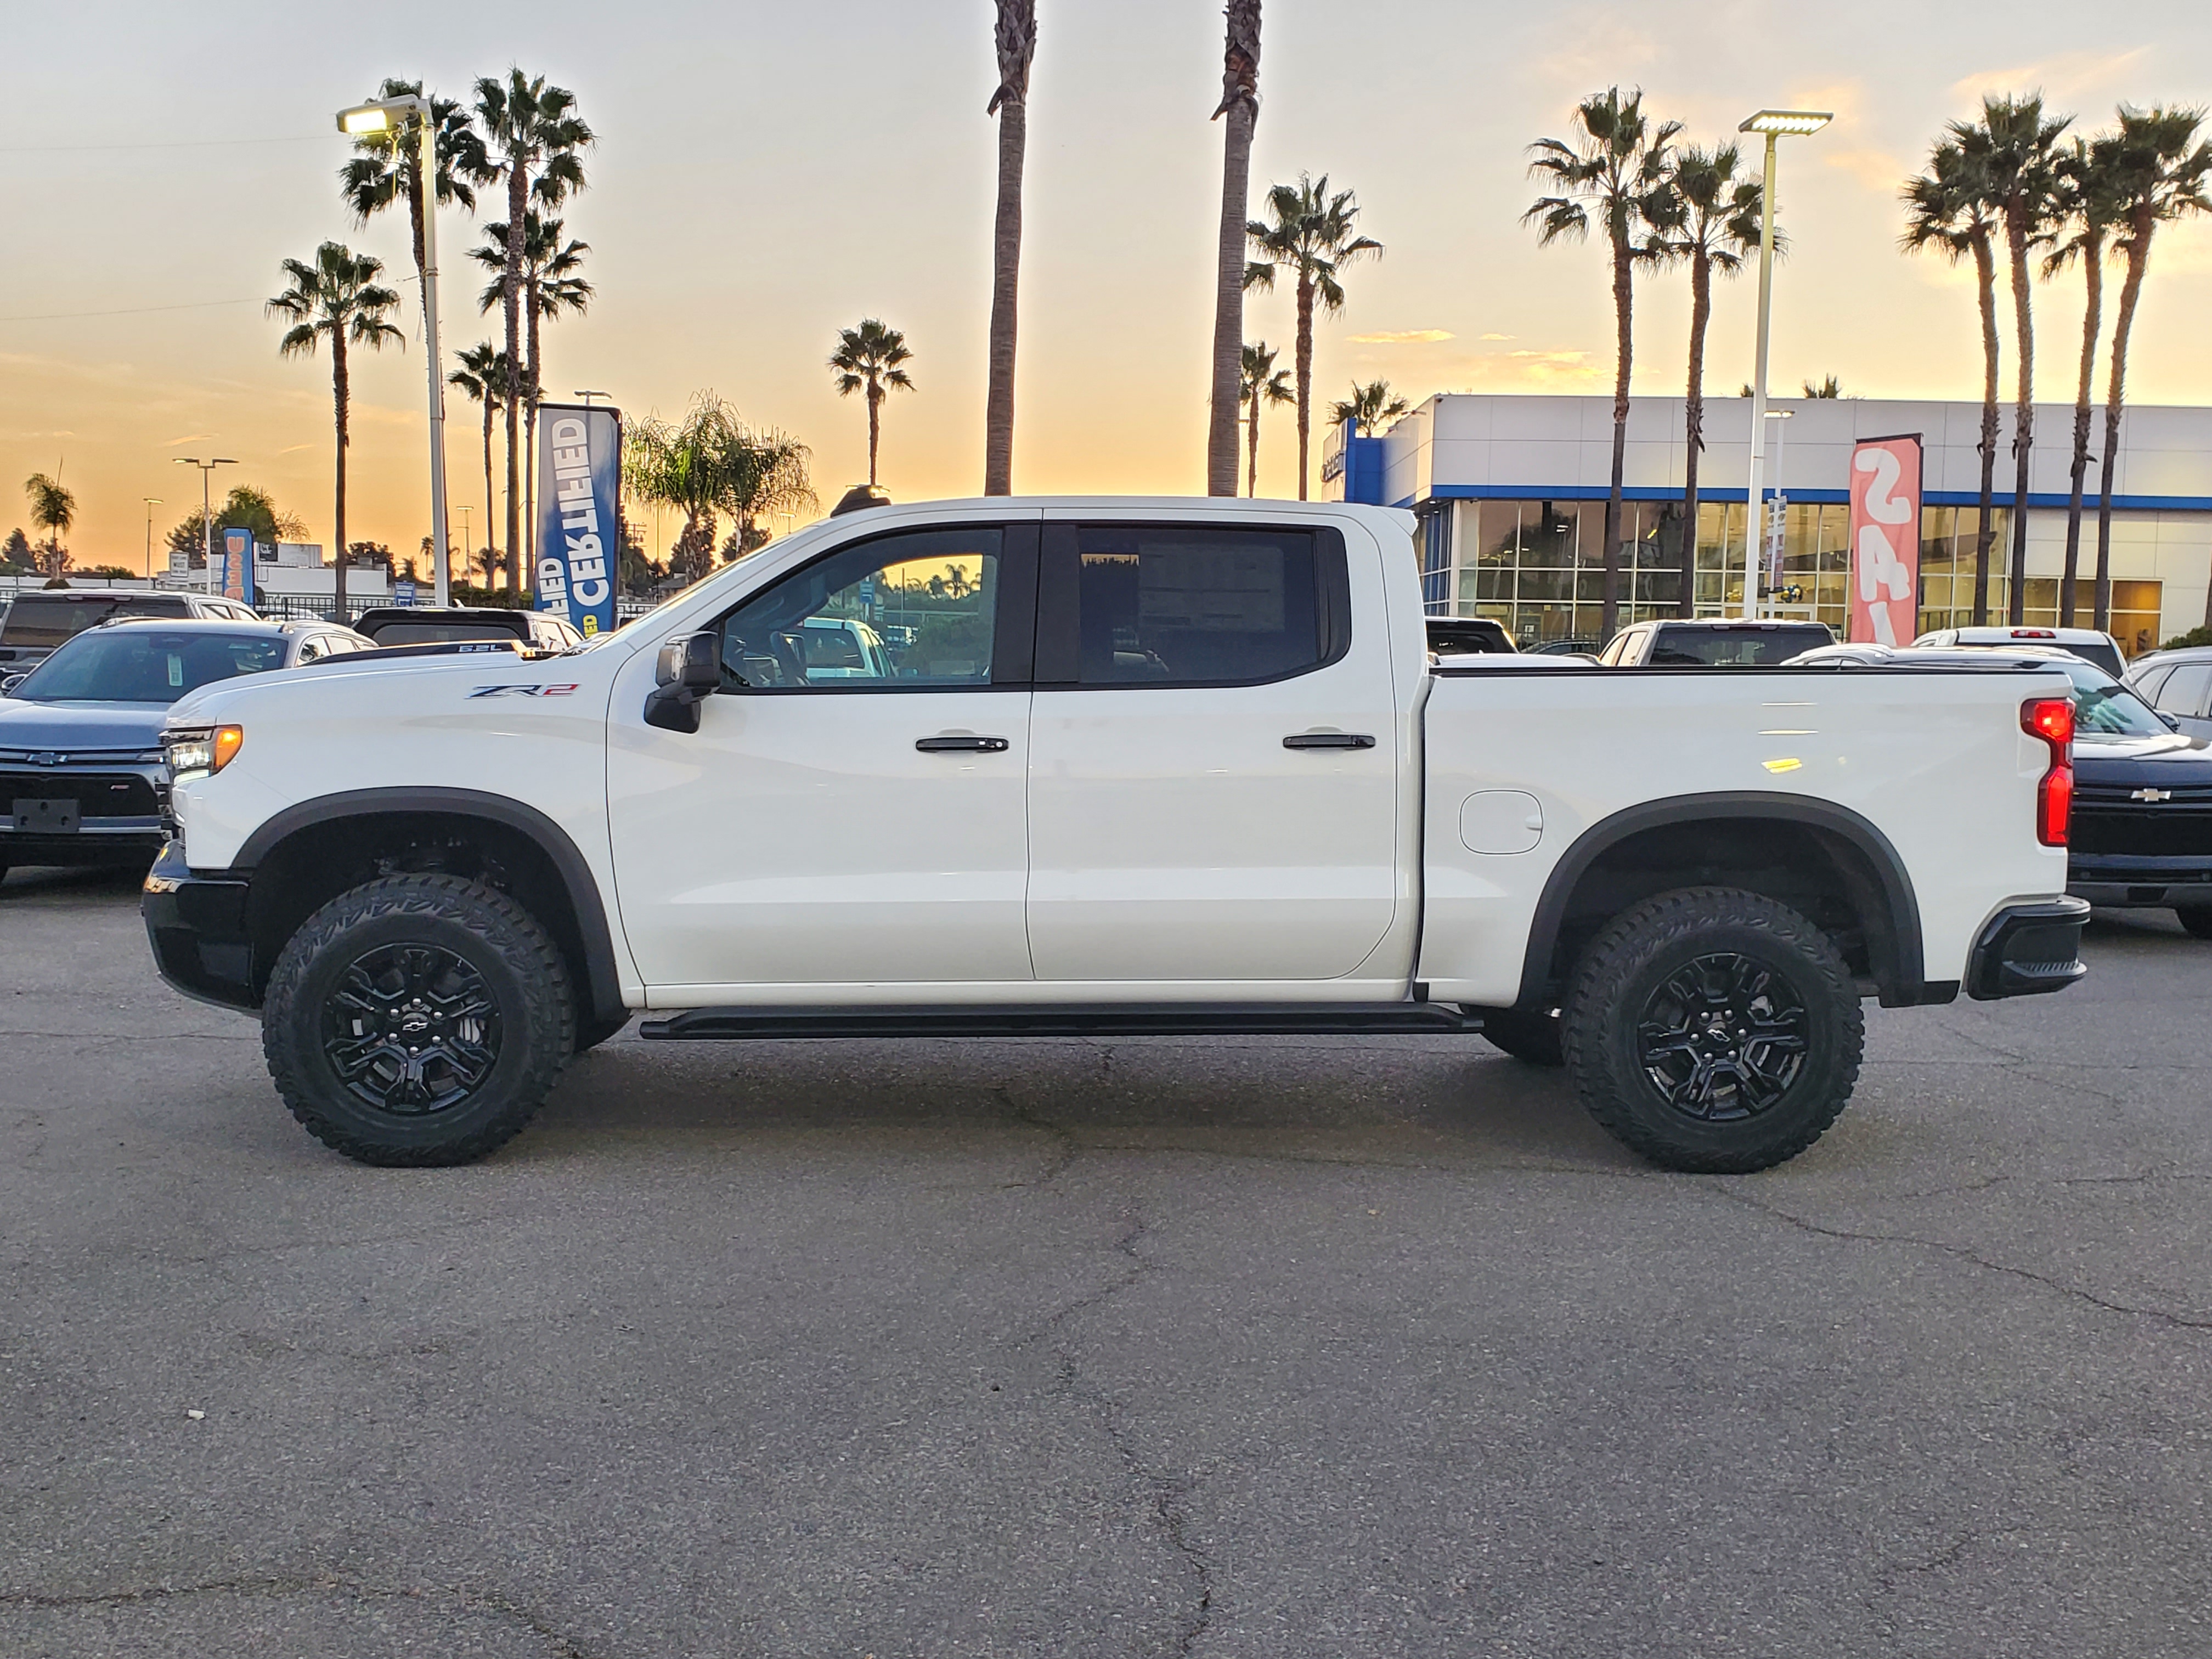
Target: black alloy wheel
{"type": "Point", "coordinates": [1723, 1037]}
{"type": "Point", "coordinates": [410, 1029]}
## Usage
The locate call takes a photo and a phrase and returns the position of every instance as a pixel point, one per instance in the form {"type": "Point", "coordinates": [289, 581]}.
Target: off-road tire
{"type": "Point", "coordinates": [1623, 978]}
{"type": "Point", "coordinates": [2196, 922]}
{"type": "Point", "coordinates": [517, 971]}
{"type": "Point", "coordinates": [1531, 1038]}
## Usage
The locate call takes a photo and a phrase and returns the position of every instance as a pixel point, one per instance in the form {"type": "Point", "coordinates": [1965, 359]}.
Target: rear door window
{"type": "Point", "coordinates": [1175, 604]}
{"type": "Point", "coordinates": [2183, 692]}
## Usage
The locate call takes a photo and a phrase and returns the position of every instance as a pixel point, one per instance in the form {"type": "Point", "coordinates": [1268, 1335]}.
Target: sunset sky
{"type": "Point", "coordinates": [767, 174]}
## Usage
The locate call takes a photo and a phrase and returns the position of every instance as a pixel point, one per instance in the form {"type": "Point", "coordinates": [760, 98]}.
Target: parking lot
{"type": "Point", "coordinates": [1249, 1347]}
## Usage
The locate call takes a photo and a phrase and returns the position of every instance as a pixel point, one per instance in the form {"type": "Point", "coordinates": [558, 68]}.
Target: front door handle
{"type": "Point", "coordinates": [1328, 740]}
{"type": "Point", "coordinates": [961, 746]}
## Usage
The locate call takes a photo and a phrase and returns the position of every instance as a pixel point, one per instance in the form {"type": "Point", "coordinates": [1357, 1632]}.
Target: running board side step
{"type": "Point", "coordinates": [1068, 1019]}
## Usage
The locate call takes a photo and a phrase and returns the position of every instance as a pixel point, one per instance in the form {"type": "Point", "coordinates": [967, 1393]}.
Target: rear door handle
{"type": "Point", "coordinates": [960, 745]}
{"type": "Point", "coordinates": [1328, 740]}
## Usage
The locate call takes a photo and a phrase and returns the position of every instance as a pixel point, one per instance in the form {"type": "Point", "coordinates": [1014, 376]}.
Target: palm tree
{"type": "Point", "coordinates": [54, 509]}
{"type": "Point", "coordinates": [868, 359]}
{"type": "Point", "coordinates": [533, 138]}
{"type": "Point", "coordinates": [1240, 102]}
{"type": "Point", "coordinates": [1947, 211]}
{"type": "Point", "coordinates": [2014, 149]}
{"type": "Point", "coordinates": [550, 285]}
{"type": "Point", "coordinates": [2085, 212]}
{"type": "Point", "coordinates": [338, 299]}
{"type": "Point", "coordinates": [1615, 160]}
{"type": "Point", "coordinates": [483, 375]}
{"type": "Point", "coordinates": [2161, 172]}
{"type": "Point", "coordinates": [765, 473]}
{"type": "Point", "coordinates": [1259, 381]}
{"type": "Point", "coordinates": [1702, 214]}
{"type": "Point", "coordinates": [1308, 234]}
{"type": "Point", "coordinates": [1015, 37]}
{"type": "Point", "coordinates": [1825, 389]}
{"type": "Point", "coordinates": [387, 168]}
{"type": "Point", "coordinates": [1370, 406]}
{"type": "Point", "coordinates": [711, 461]}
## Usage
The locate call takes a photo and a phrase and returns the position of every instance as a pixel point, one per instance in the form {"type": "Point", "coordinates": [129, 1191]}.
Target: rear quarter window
{"type": "Point", "coordinates": [43, 621]}
{"type": "Point", "coordinates": [1749, 648]}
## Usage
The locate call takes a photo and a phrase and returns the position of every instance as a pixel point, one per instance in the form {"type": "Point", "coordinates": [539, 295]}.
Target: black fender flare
{"type": "Point", "coordinates": [1896, 954]}
{"type": "Point", "coordinates": [605, 982]}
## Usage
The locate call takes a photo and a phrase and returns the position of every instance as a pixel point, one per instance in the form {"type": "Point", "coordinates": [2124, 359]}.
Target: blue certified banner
{"type": "Point", "coordinates": [579, 480]}
{"type": "Point", "coordinates": [235, 580]}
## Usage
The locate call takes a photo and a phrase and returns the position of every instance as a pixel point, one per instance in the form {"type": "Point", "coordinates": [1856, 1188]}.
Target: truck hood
{"type": "Point", "coordinates": [2171, 759]}
{"type": "Point", "coordinates": [65, 727]}
{"type": "Point", "coordinates": [404, 687]}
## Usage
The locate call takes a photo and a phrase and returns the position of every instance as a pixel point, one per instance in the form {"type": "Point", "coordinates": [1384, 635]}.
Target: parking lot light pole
{"type": "Point", "coordinates": [152, 501]}
{"type": "Point", "coordinates": [389, 115]}
{"type": "Point", "coordinates": [207, 512]}
{"type": "Point", "coordinates": [1775, 124]}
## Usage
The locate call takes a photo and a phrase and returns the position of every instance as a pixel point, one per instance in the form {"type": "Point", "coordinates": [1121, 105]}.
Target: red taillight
{"type": "Point", "coordinates": [2051, 718]}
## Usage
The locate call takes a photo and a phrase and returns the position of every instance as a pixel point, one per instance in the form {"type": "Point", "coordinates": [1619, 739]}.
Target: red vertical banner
{"type": "Point", "coordinates": [1886, 540]}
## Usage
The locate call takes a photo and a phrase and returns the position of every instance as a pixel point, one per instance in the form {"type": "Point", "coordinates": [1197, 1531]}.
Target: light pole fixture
{"type": "Point", "coordinates": [391, 115]}
{"type": "Point", "coordinates": [1775, 125]}
{"type": "Point", "coordinates": [207, 512]}
{"type": "Point", "coordinates": [588, 395]}
{"type": "Point", "coordinates": [152, 501]}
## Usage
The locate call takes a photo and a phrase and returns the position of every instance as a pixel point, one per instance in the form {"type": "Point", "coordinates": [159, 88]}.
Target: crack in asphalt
{"type": "Point", "coordinates": [1066, 1147]}
{"type": "Point", "coordinates": [559, 1645]}
{"type": "Point", "coordinates": [1959, 1252]}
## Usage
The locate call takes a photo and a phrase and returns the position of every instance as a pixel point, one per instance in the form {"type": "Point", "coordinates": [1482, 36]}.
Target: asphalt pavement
{"type": "Point", "coordinates": [1247, 1347]}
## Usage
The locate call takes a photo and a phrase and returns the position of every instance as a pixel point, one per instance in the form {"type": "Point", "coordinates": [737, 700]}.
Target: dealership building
{"type": "Point", "coordinates": [1511, 494]}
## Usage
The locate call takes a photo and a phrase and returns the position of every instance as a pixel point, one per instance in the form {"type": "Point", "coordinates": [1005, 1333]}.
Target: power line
{"type": "Point", "coordinates": [127, 311]}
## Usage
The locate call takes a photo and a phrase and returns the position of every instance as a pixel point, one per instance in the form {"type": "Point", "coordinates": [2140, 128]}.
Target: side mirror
{"type": "Point", "coordinates": [7, 686]}
{"type": "Point", "coordinates": [2171, 724]}
{"type": "Point", "coordinates": [689, 667]}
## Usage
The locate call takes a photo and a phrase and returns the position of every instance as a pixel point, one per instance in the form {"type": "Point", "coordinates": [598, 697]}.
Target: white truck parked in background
{"type": "Point", "coordinates": [1113, 766]}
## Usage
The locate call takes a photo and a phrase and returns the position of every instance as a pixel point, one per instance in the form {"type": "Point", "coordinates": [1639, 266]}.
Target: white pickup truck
{"type": "Point", "coordinates": [1111, 766]}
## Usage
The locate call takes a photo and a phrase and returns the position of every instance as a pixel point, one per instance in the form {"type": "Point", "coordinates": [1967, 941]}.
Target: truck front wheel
{"type": "Point", "coordinates": [418, 1020]}
{"type": "Point", "coordinates": [1713, 1032]}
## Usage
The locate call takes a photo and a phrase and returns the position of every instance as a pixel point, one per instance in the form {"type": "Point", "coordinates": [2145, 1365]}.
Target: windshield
{"type": "Point", "coordinates": [440, 633]}
{"type": "Point", "coordinates": [2103, 708]}
{"type": "Point", "coordinates": [1735, 647]}
{"type": "Point", "coordinates": [43, 621]}
{"type": "Point", "coordinates": [148, 666]}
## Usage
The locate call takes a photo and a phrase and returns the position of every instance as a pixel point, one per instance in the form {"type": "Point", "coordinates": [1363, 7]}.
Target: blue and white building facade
{"type": "Point", "coordinates": [1510, 492]}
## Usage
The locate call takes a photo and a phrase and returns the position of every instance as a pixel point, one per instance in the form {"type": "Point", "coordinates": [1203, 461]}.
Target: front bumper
{"type": "Point", "coordinates": [196, 926]}
{"type": "Point", "coordinates": [2121, 882]}
{"type": "Point", "coordinates": [2028, 950]}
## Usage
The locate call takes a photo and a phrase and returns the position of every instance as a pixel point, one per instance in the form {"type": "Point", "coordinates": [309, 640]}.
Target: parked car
{"type": "Point", "coordinates": [1169, 766]}
{"type": "Point", "coordinates": [1713, 642]}
{"type": "Point", "coordinates": [1567, 648]}
{"type": "Point", "coordinates": [81, 772]}
{"type": "Point", "coordinates": [399, 624]}
{"type": "Point", "coordinates": [2139, 829]}
{"type": "Point", "coordinates": [42, 618]}
{"type": "Point", "coordinates": [2085, 643]}
{"type": "Point", "coordinates": [1469, 637]}
{"type": "Point", "coordinates": [2178, 684]}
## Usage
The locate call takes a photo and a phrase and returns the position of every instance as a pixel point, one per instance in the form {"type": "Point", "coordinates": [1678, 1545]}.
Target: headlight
{"type": "Point", "coordinates": [200, 751]}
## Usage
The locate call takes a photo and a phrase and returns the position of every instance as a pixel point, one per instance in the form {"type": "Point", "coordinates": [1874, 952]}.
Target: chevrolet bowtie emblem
{"type": "Point", "coordinates": [2152, 794]}
{"type": "Point", "coordinates": [51, 759]}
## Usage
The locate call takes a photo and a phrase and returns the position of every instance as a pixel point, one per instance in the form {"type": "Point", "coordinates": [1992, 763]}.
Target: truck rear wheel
{"type": "Point", "coordinates": [1713, 1032]}
{"type": "Point", "coordinates": [418, 1020]}
{"type": "Point", "coordinates": [2198, 923]}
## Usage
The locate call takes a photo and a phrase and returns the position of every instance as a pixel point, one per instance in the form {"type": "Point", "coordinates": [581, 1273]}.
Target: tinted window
{"type": "Point", "coordinates": [2183, 694]}
{"type": "Point", "coordinates": [2103, 655]}
{"type": "Point", "coordinates": [2147, 684]}
{"type": "Point", "coordinates": [1174, 606]}
{"type": "Point", "coordinates": [147, 665]}
{"type": "Point", "coordinates": [1735, 647]}
{"type": "Point", "coordinates": [2103, 708]}
{"type": "Point", "coordinates": [438, 633]}
{"type": "Point", "coordinates": [907, 610]}
{"type": "Point", "coordinates": [42, 620]}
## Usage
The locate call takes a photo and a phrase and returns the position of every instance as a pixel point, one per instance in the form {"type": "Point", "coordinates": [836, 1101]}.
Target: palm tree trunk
{"type": "Point", "coordinates": [1693, 425]}
{"type": "Point", "coordinates": [1305, 374]}
{"type": "Point", "coordinates": [517, 189]}
{"type": "Point", "coordinates": [491, 495]}
{"type": "Point", "coordinates": [1252, 449]}
{"type": "Point", "coordinates": [875, 427]}
{"type": "Point", "coordinates": [2115, 399]}
{"type": "Point", "coordinates": [1623, 300]}
{"type": "Point", "coordinates": [1005, 281]}
{"type": "Point", "coordinates": [2023, 425]}
{"type": "Point", "coordinates": [1986, 280]}
{"type": "Point", "coordinates": [2092, 268]}
{"type": "Point", "coordinates": [1228, 300]}
{"type": "Point", "coordinates": [338, 398]}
